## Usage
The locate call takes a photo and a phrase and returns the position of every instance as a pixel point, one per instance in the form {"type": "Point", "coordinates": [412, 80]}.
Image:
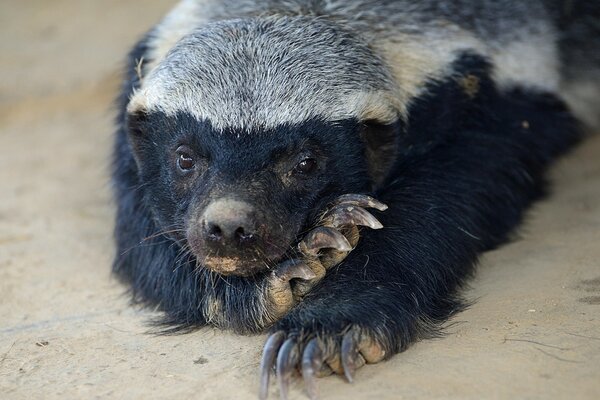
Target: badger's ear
{"type": "Point", "coordinates": [381, 142]}
{"type": "Point", "coordinates": [136, 124]}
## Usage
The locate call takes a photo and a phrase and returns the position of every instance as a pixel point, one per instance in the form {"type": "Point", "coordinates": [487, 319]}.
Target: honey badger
{"type": "Point", "coordinates": [329, 171]}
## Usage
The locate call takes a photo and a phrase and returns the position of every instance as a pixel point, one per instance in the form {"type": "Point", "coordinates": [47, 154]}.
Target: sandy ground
{"type": "Point", "coordinates": [67, 331]}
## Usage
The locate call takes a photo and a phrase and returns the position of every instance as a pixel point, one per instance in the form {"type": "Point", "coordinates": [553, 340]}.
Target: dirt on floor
{"type": "Point", "coordinates": [68, 331]}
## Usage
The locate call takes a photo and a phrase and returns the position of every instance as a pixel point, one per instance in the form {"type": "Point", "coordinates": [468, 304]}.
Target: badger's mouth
{"type": "Point", "coordinates": [242, 266]}
{"type": "Point", "coordinates": [247, 263]}
{"type": "Point", "coordinates": [232, 265]}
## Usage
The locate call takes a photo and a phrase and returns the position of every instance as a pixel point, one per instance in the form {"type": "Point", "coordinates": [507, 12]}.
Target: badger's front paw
{"type": "Point", "coordinates": [315, 356]}
{"type": "Point", "coordinates": [336, 235]}
{"type": "Point", "coordinates": [322, 248]}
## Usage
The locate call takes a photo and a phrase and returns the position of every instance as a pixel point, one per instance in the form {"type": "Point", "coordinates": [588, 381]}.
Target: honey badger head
{"type": "Point", "coordinates": [247, 128]}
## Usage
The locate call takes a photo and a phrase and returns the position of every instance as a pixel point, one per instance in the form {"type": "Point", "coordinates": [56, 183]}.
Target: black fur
{"type": "Point", "coordinates": [467, 166]}
{"type": "Point", "coordinates": [462, 182]}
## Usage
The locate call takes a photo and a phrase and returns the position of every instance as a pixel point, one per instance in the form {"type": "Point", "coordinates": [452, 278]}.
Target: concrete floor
{"type": "Point", "coordinates": [67, 330]}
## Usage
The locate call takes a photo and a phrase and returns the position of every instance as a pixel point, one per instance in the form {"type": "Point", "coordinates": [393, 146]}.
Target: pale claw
{"type": "Point", "coordinates": [349, 215]}
{"type": "Point", "coordinates": [286, 364]}
{"type": "Point", "coordinates": [279, 290]}
{"type": "Point", "coordinates": [323, 238]}
{"type": "Point", "coordinates": [351, 358]}
{"type": "Point", "coordinates": [338, 234]}
{"type": "Point", "coordinates": [294, 269]}
{"type": "Point", "coordinates": [361, 200]}
{"type": "Point", "coordinates": [266, 364]}
{"type": "Point", "coordinates": [312, 361]}
{"type": "Point", "coordinates": [355, 349]}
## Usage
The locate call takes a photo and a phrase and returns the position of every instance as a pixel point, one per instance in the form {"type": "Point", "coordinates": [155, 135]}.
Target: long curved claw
{"type": "Point", "coordinates": [316, 358]}
{"type": "Point", "coordinates": [279, 292]}
{"type": "Point", "coordinates": [294, 269]}
{"type": "Point", "coordinates": [312, 361]}
{"type": "Point", "coordinates": [266, 364]}
{"type": "Point", "coordinates": [323, 238]}
{"type": "Point", "coordinates": [286, 363]}
{"type": "Point", "coordinates": [361, 200]}
{"type": "Point", "coordinates": [348, 215]}
{"type": "Point", "coordinates": [351, 358]}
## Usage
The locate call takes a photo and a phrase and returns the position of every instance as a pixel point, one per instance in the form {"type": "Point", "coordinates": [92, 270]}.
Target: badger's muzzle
{"type": "Point", "coordinates": [231, 238]}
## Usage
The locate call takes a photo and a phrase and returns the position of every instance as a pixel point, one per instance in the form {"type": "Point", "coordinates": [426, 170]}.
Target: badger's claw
{"type": "Point", "coordinates": [322, 248]}
{"type": "Point", "coordinates": [345, 215]}
{"type": "Point", "coordinates": [312, 362]}
{"type": "Point", "coordinates": [341, 222]}
{"type": "Point", "coordinates": [293, 269]}
{"type": "Point", "coordinates": [280, 294]}
{"type": "Point", "coordinates": [266, 363]}
{"type": "Point", "coordinates": [351, 357]}
{"type": "Point", "coordinates": [317, 357]}
{"type": "Point", "coordinates": [351, 215]}
{"type": "Point", "coordinates": [323, 238]}
{"type": "Point", "coordinates": [360, 200]}
{"type": "Point", "coordinates": [287, 359]}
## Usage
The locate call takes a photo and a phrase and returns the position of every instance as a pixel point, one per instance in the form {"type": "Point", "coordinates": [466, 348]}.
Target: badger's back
{"type": "Point", "coordinates": [578, 26]}
{"type": "Point", "coordinates": [529, 44]}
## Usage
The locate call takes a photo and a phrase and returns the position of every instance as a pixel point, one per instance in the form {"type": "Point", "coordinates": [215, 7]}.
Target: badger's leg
{"type": "Point", "coordinates": [448, 202]}
{"type": "Point", "coordinates": [322, 248]}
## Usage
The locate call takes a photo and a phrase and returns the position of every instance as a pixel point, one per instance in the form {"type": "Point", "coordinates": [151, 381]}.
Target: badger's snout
{"type": "Point", "coordinates": [230, 225]}
{"type": "Point", "coordinates": [231, 237]}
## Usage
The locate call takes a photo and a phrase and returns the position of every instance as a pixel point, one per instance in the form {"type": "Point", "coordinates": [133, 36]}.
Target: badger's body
{"type": "Point", "coordinates": [255, 116]}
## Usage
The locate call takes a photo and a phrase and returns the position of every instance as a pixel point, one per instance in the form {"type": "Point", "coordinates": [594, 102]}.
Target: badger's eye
{"type": "Point", "coordinates": [306, 166]}
{"type": "Point", "coordinates": [185, 158]}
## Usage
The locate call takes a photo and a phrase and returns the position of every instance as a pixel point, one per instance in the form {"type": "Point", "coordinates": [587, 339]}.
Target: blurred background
{"type": "Point", "coordinates": [67, 330]}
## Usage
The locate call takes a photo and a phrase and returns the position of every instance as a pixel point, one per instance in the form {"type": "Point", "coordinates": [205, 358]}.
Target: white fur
{"type": "Point", "coordinates": [398, 49]}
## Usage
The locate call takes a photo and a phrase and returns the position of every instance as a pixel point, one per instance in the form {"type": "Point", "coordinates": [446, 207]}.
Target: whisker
{"type": "Point", "coordinates": [164, 232]}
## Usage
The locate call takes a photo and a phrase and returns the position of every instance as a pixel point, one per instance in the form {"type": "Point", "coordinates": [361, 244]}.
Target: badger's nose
{"type": "Point", "coordinates": [228, 223]}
